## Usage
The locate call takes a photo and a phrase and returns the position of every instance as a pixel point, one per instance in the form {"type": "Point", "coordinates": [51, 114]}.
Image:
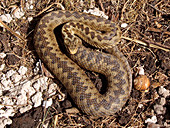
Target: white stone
{"type": "Point", "coordinates": [0, 93]}
{"type": "Point", "coordinates": [6, 17]}
{"type": "Point", "coordinates": [18, 32]}
{"type": "Point", "coordinates": [6, 113]}
{"type": "Point", "coordinates": [96, 12]}
{"type": "Point", "coordinates": [31, 6]}
{"type": "Point", "coordinates": [7, 101]}
{"type": "Point", "coordinates": [2, 55]}
{"type": "Point", "coordinates": [30, 19]}
{"type": "Point", "coordinates": [2, 66]}
{"type": "Point", "coordinates": [41, 84]}
{"type": "Point", "coordinates": [26, 87]}
{"type": "Point", "coordinates": [164, 92]}
{"type": "Point", "coordinates": [47, 103]}
{"type": "Point", "coordinates": [1, 106]}
{"type": "Point", "coordinates": [153, 119]}
{"type": "Point", "coordinates": [6, 83]}
{"type": "Point", "coordinates": [159, 109]}
{"type": "Point", "coordinates": [10, 73]}
{"type": "Point", "coordinates": [22, 99]}
{"type": "Point", "coordinates": [22, 70]}
{"type": "Point", "coordinates": [16, 78]}
{"type": "Point", "coordinates": [124, 25]}
{"type": "Point", "coordinates": [141, 70]}
{"type": "Point", "coordinates": [52, 89]}
{"type": "Point", "coordinates": [25, 108]}
{"type": "Point", "coordinates": [36, 86]}
{"type": "Point", "coordinates": [61, 97]}
{"type": "Point", "coordinates": [18, 13]}
{"type": "Point", "coordinates": [36, 99]}
{"type": "Point", "coordinates": [37, 68]}
{"type": "Point", "coordinates": [162, 101]}
{"type": "Point", "coordinates": [140, 105]}
{"type": "Point", "coordinates": [5, 121]}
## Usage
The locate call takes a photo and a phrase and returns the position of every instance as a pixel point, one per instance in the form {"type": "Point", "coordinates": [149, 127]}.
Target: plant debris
{"type": "Point", "coordinates": [31, 97]}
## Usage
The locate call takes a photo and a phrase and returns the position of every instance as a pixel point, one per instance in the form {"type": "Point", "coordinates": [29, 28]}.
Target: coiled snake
{"type": "Point", "coordinates": [99, 33]}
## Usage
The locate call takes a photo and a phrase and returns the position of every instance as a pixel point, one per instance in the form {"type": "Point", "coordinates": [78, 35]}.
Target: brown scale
{"type": "Point", "coordinates": [111, 64]}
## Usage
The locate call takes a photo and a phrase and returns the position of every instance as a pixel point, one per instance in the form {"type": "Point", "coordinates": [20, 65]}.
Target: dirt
{"type": "Point", "coordinates": [156, 64]}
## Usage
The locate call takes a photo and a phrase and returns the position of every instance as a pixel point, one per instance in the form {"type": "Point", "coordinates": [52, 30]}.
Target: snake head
{"type": "Point", "coordinates": [73, 44]}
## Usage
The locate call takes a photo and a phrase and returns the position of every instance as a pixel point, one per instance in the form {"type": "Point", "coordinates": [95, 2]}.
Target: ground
{"type": "Point", "coordinates": [145, 43]}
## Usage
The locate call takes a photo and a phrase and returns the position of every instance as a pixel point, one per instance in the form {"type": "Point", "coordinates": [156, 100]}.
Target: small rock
{"type": "Point", "coordinates": [6, 83]}
{"type": "Point", "coordinates": [24, 109]}
{"type": "Point", "coordinates": [41, 83]}
{"type": "Point", "coordinates": [37, 68]}
{"type": "Point", "coordinates": [140, 105]}
{"type": "Point", "coordinates": [30, 19]}
{"type": "Point", "coordinates": [22, 70]}
{"type": "Point", "coordinates": [6, 17]}
{"type": "Point", "coordinates": [16, 78]}
{"type": "Point", "coordinates": [17, 13]}
{"type": "Point", "coordinates": [2, 55]}
{"type": "Point", "coordinates": [141, 70]}
{"type": "Point", "coordinates": [52, 89]}
{"type": "Point", "coordinates": [36, 99]}
{"type": "Point", "coordinates": [153, 119]}
{"type": "Point", "coordinates": [5, 121]}
{"type": "Point", "coordinates": [26, 88]}
{"type": "Point", "coordinates": [8, 112]}
{"type": "Point", "coordinates": [2, 66]}
{"type": "Point", "coordinates": [96, 12]}
{"type": "Point", "coordinates": [10, 73]}
{"type": "Point", "coordinates": [47, 103]}
{"type": "Point", "coordinates": [159, 109]}
{"type": "Point", "coordinates": [124, 25]}
{"type": "Point", "coordinates": [162, 101]}
{"type": "Point", "coordinates": [22, 99]}
{"type": "Point", "coordinates": [8, 101]}
{"type": "Point", "coordinates": [164, 92]}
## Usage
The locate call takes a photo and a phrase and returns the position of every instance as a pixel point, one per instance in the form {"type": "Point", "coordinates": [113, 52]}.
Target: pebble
{"type": "Point", "coordinates": [153, 119]}
{"type": "Point", "coordinates": [22, 70]}
{"type": "Point", "coordinates": [26, 88]}
{"type": "Point", "coordinates": [17, 13]}
{"type": "Point", "coordinates": [16, 78]}
{"type": "Point", "coordinates": [36, 99]}
{"type": "Point", "coordinates": [163, 92]}
{"type": "Point", "coordinates": [10, 73]}
{"type": "Point", "coordinates": [6, 17]}
{"type": "Point", "coordinates": [47, 103]}
{"type": "Point", "coordinates": [2, 55]}
{"type": "Point", "coordinates": [6, 83]}
{"type": "Point", "coordinates": [124, 25]}
{"type": "Point", "coordinates": [96, 12]}
{"type": "Point", "coordinates": [159, 109]}
{"type": "Point", "coordinates": [6, 113]}
{"type": "Point", "coordinates": [2, 66]}
{"type": "Point", "coordinates": [25, 108]}
{"type": "Point", "coordinates": [52, 89]}
{"type": "Point", "coordinates": [162, 101]}
{"type": "Point", "coordinates": [22, 99]}
{"type": "Point", "coordinates": [5, 121]}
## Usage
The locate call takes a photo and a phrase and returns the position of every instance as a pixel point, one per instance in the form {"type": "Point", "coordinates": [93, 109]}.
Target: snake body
{"type": "Point", "coordinates": [111, 63]}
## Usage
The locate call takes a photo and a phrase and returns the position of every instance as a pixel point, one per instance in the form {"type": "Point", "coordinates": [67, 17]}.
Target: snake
{"type": "Point", "coordinates": [89, 44]}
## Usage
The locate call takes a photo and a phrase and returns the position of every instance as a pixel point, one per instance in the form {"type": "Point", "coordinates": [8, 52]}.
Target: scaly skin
{"type": "Point", "coordinates": [112, 63]}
